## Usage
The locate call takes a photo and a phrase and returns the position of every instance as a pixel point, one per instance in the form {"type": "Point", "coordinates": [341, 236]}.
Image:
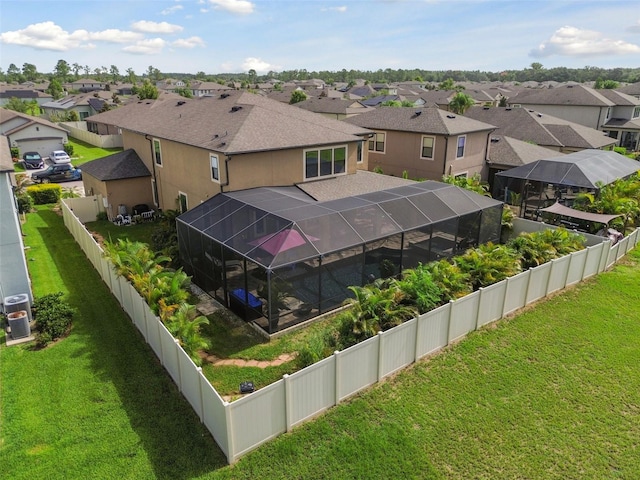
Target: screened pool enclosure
{"type": "Point", "coordinates": [277, 257]}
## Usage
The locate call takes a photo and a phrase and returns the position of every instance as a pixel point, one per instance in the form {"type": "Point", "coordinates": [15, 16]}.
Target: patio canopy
{"type": "Point", "coordinates": [583, 169]}
{"type": "Point", "coordinates": [559, 209]}
{"type": "Point", "coordinates": [276, 226]}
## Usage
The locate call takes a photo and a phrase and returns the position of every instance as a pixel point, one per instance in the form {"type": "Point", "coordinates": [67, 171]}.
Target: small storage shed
{"type": "Point", "coordinates": [278, 257]}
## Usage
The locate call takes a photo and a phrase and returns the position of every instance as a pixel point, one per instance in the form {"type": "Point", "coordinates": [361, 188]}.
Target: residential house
{"type": "Point", "coordinates": [14, 275]}
{"type": "Point", "coordinates": [7, 92]}
{"type": "Point", "coordinates": [632, 89]}
{"type": "Point", "coordinates": [84, 104]}
{"type": "Point", "coordinates": [197, 148]}
{"type": "Point", "coordinates": [84, 85]}
{"type": "Point", "coordinates": [121, 179]}
{"type": "Point", "coordinates": [200, 89]}
{"type": "Point", "coordinates": [31, 134]}
{"type": "Point", "coordinates": [541, 129]}
{"type": "Point", "coordinates": [335, 108]}
{"type": "Point", "coordinates": [426, 143]}
{"type": "Point", "coordinates": [624, 124]}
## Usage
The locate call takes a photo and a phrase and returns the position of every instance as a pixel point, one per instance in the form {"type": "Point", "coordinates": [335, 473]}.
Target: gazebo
{"type": "Point", "coordinates": [277, 257]}
{"type": "Point", "coordinates": [541, 183]}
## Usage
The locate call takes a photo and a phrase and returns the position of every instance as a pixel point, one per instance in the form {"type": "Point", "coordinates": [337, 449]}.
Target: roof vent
{"type": "Point", "coordinates": [540, 115]}
{"type": "Point", "coordinates": [418, 113]}
{"type": "Point", "coordinates": [451, 116]}
{"type": "Point", "coordinates": [235, 108]}
{"type": "Point", "coordinates": [224, 95]}
{"type": "Point", "coordinates": [485, 108]}
{"type": "Point", "coordinates": [181, 102]}
{"type": "Point", "coordinates": [508, 109]}
{"type": "Point", "coordinates": [495, 139]}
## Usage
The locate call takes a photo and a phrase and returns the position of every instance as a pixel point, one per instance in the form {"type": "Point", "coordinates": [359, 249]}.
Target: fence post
{"type": "Point", "coordinates": [231, 455]}
{"type": "Point", "coordinates": [449, 321]}
{"type": "Point", "coordinates": [481, 289]}
{"type": "Point", "coordinates": [336, 357]}
{"type": "Point", "coordinates": [380, 351]}
{"type": "Point", "coordinates": [287, 400]}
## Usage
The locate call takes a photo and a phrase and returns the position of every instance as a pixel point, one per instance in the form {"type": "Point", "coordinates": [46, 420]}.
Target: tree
{"type": "Point", "coordinates": [460, 103]}
{"type": "Point", "coordinates": [55, 89]}
{"type": "Point", "coordinates": [13, 73]}
{"type": "Point", "coordinates": [76, 67]}
{"type": "Point", "coordinates": [115, 74]}
{"type": "Point", "coordinates": [30, 72]}
{"type": "Point", "coordinates": [145, 91]}
{"type": "Point", "coordinates": [16, 105]}
{"type": "Point", "coordinates": [536, 66]}
{"type": "Point", "coordinates": [184, 92]}
{"type": "Point", "coordinates": [252, 76]}
{"type": "Point", "coordinates": [62, 70]}
{"type": "Point", "coordinates": [297, 96]}
{"type": "Point", "coordinates": [447, 84]}
{"type": "Point", "coordinates": [131, 76]}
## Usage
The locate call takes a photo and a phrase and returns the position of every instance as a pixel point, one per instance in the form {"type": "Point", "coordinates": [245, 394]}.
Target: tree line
{"type": "Point", "coordinates": [66, 72]}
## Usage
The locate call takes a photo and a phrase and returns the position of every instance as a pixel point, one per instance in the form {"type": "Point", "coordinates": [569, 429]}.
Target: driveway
{"type": "Point", "coordinates": [77, 185]}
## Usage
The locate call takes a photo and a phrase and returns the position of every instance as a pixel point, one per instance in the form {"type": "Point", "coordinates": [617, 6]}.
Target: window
{"type": "Point", "coordinates": [461, 143]}
{"type": "Point", "coordinates": [182, 201]}
{"type": "Point", "coordinates": [608, 112]}
{"type": "Point", "coordinates": [376, 142]}
{"type": "Point", "coordinates": [157, 152]}
{"type": "Point", "coordinates": [359, 159]}
{"type": "Point", "coordinates": [427, 147]}
{"type": "Point", "coordinates": [636, 112]}
{"type": "Point", "coordinates": [325, 162]}
{"type": "Point", "coordinates": [215, 172]}
{"type": "Point", "coordinates": [154, 191]}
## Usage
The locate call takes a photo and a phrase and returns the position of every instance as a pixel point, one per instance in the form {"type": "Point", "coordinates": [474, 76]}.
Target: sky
{"type": "Point", "coordinates": [234, 36]}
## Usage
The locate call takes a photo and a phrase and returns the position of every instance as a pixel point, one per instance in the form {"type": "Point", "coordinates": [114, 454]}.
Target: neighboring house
{"type": "Point", "coordinates": [426, 142]}
{"type": "Point", "coordinates": [85, 85]}
{"type": "Point", "coordinates": [575, 103]}
{"type": "Point", "coordinates": [335, 108]}
{"type": "Point", "coordinates": [84, 104]}
{"type": "Point", "coordinates": [632, 89]}
{"type": "Point", "coordinates": [31, 134]}
{"type": "Point", "coordinates": [624, 124]}
{"type": "Point", "coordinates": [14, 276]}
{"type": "Point", "coordinates": [24, 94]}
{"type": "Point", "coordinates": [380, 99]}
{"type": "Point", "coordinates": [200, 89]}
{"type": "Point", "coordinates": [541, 129]}
{"type": "Point", "coordinates": [197, 148]}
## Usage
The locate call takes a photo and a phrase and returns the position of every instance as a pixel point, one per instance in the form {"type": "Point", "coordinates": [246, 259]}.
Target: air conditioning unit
{"type": "Point", "coordinates": [19, 324]}
{"type": "Point", "coordinates": [16, 303]}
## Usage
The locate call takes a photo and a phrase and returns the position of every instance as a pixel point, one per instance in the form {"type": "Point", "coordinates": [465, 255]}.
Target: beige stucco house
{"type": "Point", "coordinates": [426, 143]}
{"type": "Point", "coordinates": [197, 148]}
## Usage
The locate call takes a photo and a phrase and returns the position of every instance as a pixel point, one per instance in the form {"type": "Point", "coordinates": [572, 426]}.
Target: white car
{"type": "Point", "coordinates": [59, 156]}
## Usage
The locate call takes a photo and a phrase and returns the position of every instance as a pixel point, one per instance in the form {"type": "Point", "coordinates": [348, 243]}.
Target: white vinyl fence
{"type": "Point", "coordinates": [254, 419]}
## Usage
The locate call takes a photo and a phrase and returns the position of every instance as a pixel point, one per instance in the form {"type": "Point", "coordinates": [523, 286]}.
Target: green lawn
{"type": "Point", "coordinates": [84, 152]}
{"type": "Point", "coordinates": [551, 393]}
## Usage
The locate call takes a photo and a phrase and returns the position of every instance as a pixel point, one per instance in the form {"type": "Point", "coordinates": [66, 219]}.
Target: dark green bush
{"type": "Point", "coordinates": [102, 217]}
{"type": "Point", "coordinates": [53, 317]}
{"type": "Point", "coordinates": [68, 148]}
{"type": "Point", "coordinates": [25, 203]}
{"type": "Point", "coordinates": [15, 152]}
{"type": "Point", "coordinates": [44, 194]}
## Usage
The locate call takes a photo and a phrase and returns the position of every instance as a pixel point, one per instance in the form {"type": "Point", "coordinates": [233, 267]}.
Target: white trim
{"type": "Point", "coordinates": [373, 139]}
{"type": "Point", "coordinates": [186, 201]}
{"type": "Point", "coordinates": [464, 147]}
{"type": "Point", "coordinates": [155, 158]}
{"type": "Point", "coordinates": [433, 147]}
{"type": "Point", "coordinates": [211, 157]}
{"type": "Point", "coordinates": [318, 150]}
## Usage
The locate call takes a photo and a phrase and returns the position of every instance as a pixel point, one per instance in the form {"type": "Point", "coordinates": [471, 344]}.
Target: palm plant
{"type": "Point", "coordinates": [453, 282]}
{"type": "Point", "coordinates": [419, 288]}
{"type": "Point", "coordinates": [184, 325]}
{"type": "Point", "coordinates": [488, 264]}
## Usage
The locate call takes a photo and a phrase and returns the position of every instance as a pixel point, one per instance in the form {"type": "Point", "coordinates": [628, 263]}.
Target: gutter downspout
{"type": "Point", "coordinates": [227, 158]}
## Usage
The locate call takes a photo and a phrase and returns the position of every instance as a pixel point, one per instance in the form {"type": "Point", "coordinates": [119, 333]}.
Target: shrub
{"type": "Point", "coordinates": [68, 148]}
{"type": "Point", "coordinates": [25, 203]}
{"type": "Point", "coordinates": [102, 217]}
{"type": "Point", "coordinates": [53, 317]}
{"type": "Point", "coordinates": [44, 194]}
{"type": "Point", "coordinates": [488, 264]}
{"type": "Point", "coordinates": [15, 152]}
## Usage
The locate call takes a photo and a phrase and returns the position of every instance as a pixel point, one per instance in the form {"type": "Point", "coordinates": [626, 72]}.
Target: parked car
{"type": "Point", "coordinates": [59, 156]}
{"type": "Point", "coordinates": [33, 160]}
{"type": "Point", "coordinates": [58, 173]}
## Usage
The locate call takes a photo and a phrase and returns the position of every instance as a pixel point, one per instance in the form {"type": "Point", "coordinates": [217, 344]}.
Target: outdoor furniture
{"type": "Point", "coordinates": [147, 216]}
{"type": "Point", "coordinates": [122, 219]}
{"type": "Point", "coordinates": [245, 304]}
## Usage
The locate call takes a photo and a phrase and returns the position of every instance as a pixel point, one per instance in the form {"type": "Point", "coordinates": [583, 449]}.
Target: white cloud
{"type": "Point", "coordinates": [171, 10]}
{"type": "Point", "coordinates": [258, 65]}
{"type": "Point", "coordinates": [233, 6]}
{"type": "Point", "coordinates": [190, 42]}
{"type": "Point", "coordinates": [49, 36]}
{"type": "Point", "coordinates": [151, 46]}
{"type": "Point", "coordinates": [341, 9]}
{"type": "Point", "coordinates": [574, 42]}
{"type": "Point", "coordinates": [634, 28]}
{"type": "Point", "coordinates": [155, 27]}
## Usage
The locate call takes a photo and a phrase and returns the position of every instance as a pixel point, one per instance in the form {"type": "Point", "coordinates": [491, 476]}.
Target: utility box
{"type": "Point", "coordinates": [19, 324]}
{"type": "Point", "coordinates": [16, 303]}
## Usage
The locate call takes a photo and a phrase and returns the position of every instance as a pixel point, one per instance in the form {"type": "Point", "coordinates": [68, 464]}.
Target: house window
{"type": "Point", "coordinates": [461, 143]}
{"type": "Point", "coordinates": [157, 152]}
{"type": "Point", "coordinates": [636, 112]}
{"type": "Point", "coordinates": [359, 158]}
{"type": "Point", "coordinates": [154, 191]}
{"type": "Point", "coordinates": [461, 175]}
{"type": "Point", "coordinates": [376, 142]}
{"type": "Point", "coordinates": [83, 115]}
{"type": "Point", "coordinates": [215, 171]}
{"type": "Point", "coordinates": [325, 162]}
{"type": "Point", "coordinates": [608, 112]}
{"type": "Point", "coordinates": [427, 147]}
{"type": "Point", "coordinates": [182, 202]}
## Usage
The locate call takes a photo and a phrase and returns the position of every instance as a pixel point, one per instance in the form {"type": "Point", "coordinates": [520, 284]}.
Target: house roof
{"type": "Point", "coordinates": [622, 123]}
{"type": "Point", "coordinates": [631, 89]}
{"type": "Point", "coordinates": [620, 98]}
{"type": "Point", "coordinates": [28, 120]}
{"type": "Point", "coordinates": [541, 129]}
{"type": "Point", "coordinates": [509, 151]}
{"type": "Point", "coordinates": [6, 163]}
{"type": "Point", "coordinates": [584, 169]}
{"type": "Point", "coordinates": [331, 105]}
{"type": "Point", "coordinates": [233, 123]}
{"type": "Point", "coordinates": [119, 166]}
{"type": "Point", "coordinates": [574, 95]}
{"type": "Point", "coordinates": [418, 120]}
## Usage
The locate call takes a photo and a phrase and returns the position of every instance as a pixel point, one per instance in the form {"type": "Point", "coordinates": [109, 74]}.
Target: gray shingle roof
{"type": "Point", "coordinates": [419, 120]}
{"type": "Point", "coordinates": [565, 95]}
{"type": "Point", "coordinates": [510, 151]}
{"type": "Point", "coordinates": [541, 129]}
{"type": "Point", "coordinates": [330, 105]}
{"type": "Point", "coordinates": [237, 122]}
{"type": "Point", "coordinates": [121, 165]}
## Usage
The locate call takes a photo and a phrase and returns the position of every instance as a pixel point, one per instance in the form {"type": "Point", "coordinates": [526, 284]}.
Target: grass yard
{"type": "Point", "coordinates": [85, 152]}
{"type": "Point", "coordinates": [551, 393]}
